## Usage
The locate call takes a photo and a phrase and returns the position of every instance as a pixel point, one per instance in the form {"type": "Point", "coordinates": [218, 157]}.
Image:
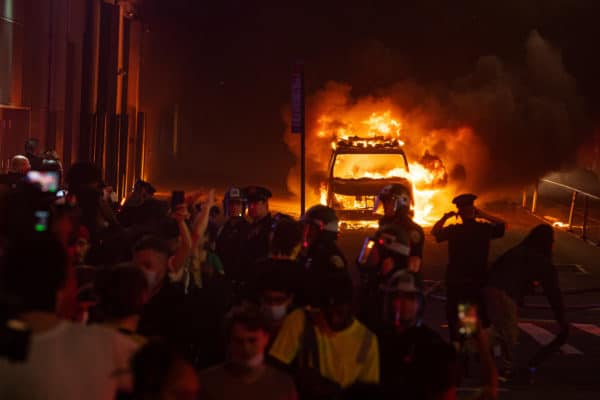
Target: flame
{"type": "Point", "coordinates": [381, 131]}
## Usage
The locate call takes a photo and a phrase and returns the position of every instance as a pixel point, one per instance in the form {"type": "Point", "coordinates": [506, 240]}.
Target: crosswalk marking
{"type": "Point", "coordinates": [543, 337]}
{"type": "Point", "coordinates": [588, 328]}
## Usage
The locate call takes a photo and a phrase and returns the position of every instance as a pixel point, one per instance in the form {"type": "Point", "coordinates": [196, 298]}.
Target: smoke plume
{"type": "Point", "coordinates": [501, 127]}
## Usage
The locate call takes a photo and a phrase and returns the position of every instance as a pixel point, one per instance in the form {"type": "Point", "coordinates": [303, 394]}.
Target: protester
{"type": "Point", "coordinates": [276, 297]}
{"type": "Point", "coordinates": [281, 268]}
{"type": "Point", "coordinates": [331, 349]}
{"type": "Point", "coordinates": [19, 165]}
{"type": "Point", "coordinates": [161, 373]}
{"type": "Point", "coordinates": [245, 375]}
{"type": "Point", "coordinates": [32, 151]}
{"type": "Point", "coordinates": [85, 184]}
{"type": "Point", "coordinates": [509, 278]}
{"type": "Point", "coordinates": [63, 360]}
{"type": "Point", "coordinates": [415, 361]}
{"type": "Point", "coordinates": [123, 292]}
{"type": "Point", "coordinates": [171, 313]}
{"type": "Point", "coordinates": [141, 207]}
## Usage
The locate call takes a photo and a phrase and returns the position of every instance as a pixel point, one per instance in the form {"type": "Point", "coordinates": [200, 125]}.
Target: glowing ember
{"type": "Point", "coordinates": [374, 152]}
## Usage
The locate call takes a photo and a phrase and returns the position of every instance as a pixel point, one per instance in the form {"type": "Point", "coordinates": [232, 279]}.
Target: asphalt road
{"type": "Point", "coordinates": [572, 373]}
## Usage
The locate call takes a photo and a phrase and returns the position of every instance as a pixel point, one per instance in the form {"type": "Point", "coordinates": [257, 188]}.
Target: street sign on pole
{"type": "Point", "coordinates": [298, 126]}
{"type": "Point", "coordinates": [298, 99]}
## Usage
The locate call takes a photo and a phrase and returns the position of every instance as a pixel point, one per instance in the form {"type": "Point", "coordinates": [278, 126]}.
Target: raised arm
{"type": "Point", "coordinates": [438, 228]}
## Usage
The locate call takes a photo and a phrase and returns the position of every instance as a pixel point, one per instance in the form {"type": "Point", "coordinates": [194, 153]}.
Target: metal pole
{"type": "Point", "coordinates": [535, 198]}
{"type": "Point", "coordinates": [572, 210]}
{"type": "Point", "coordinates": [585, 218]}
{"type": "Point", "coordinates": [524, 201]}
{"type": "Point", "coordinates": [302, 172]}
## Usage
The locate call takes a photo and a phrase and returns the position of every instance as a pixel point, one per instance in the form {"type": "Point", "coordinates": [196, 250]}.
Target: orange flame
{"type": "Point", "coordinates": [380, 130]}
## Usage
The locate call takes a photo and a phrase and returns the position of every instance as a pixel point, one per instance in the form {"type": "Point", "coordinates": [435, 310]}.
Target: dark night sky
{"type": "Point", "coordinates": [228, 64]}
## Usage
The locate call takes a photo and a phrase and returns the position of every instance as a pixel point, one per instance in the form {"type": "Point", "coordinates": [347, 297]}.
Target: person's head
{"type": "Point", "coordinates": [276, 294]}
{"type": "Point", "coordinates": [540, 239]}
{"type": "Point", "coordinates": [160, 373]}
{"type": "Point", "coordinates": [248, 337]}
{"type": "Point", "coordinates": [19, 165]}
{"type": "Point", "coordinates": [144, 190]}
{"type": "Point", "coordinates": [320, 222]}
{"type": "Point", "coordinates": [403, 300]}
{"type": "Point", "coordinates": [395, 198]}
{"type": "Point", "coordinates": [84, 174]}
{"type": "Point", "coordinates": [234, 202]}
{"type": "Point", "coordinates": [123, 292]}
{"type": "Point", "coordinates": [151, 255]}
{"type": "Point", "coordinates": [465, 203]}
{"type": "Point", "coordinates": [82, 244]}
{"type": "Point", "coordinates": [258, 202]}
{"type": "Point", "coordinates": [31, 145]}
{"type": "Point", "coordinates": [53, 166]}
{"type": "Point", "coordinates": [336, 293]}
{"type": "Point", "coordinates": [286, 238]}
{"type": "Point", "coordinates": [34, 271]}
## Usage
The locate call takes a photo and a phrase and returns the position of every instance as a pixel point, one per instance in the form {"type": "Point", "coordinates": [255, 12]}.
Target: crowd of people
{"type": "Point", "coordinates": [185, 298]}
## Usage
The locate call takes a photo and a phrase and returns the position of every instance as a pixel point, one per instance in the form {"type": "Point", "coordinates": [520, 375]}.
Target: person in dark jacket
{"type": "Point", "coordinates": [508, 281]}
{"type": "Point", "coordinates": [256, 246]}
{"type": "Point", "coordinates": [468, 251]}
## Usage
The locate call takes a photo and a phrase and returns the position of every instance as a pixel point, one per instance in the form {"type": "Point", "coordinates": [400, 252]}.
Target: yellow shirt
{"type": "Point", "coordinates": [345, 357]}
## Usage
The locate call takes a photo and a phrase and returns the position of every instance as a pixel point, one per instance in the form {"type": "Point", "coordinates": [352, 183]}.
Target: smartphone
{"type": "Point", "coordinates": [48, 180]}
{"type": "Point", "coordinates": [365, 252]}
{"type": "Point", "coordinates": [41, 221]}
{"type": "Point", "coordinates": [177, 198]}
{"type": "Point", "coordinates": [468, 318]}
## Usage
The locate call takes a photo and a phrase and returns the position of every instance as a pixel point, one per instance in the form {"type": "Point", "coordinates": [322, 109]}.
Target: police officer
{"type": "Point", "coordinates": [468, 251]}
{"type": "Point", "coordinates": [321, 253]}
{"type": "Point", "coordinates": [256, 247]}
{"type": "Point", "coordinates": [416, 363]}
{"type": "Point", "coordinates": [396, 201]}
{"type": "Point", "coordinates": [232, 235]}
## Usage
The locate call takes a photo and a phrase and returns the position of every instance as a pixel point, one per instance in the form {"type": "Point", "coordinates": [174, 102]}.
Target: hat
{"type": "Point", "coordinates": [234, 193]}
{"type": "Point", "coordinates": [402, 281]}
{"type": "Point", "coordinates": [464, 200]}
{"type": "Point", "coordinates": [257, 193]}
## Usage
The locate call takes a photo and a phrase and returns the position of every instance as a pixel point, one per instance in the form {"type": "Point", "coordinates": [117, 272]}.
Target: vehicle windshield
{"type": "Point", "coordinates": [372, 166]}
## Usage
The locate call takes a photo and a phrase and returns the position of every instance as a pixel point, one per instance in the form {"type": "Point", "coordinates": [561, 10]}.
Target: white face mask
{"type": "Point", "coordinates": [275, 313]}
{"type": "Point", "coordinates": [255, 361]}
{"type": "Point", "coordinates": [152, 279]}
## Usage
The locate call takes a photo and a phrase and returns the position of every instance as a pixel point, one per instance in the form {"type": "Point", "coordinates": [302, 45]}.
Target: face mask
{"type": "Point", "coordinates": [253, 362]}
{"type": "Point", "coordinates": [275, 313]}
{"type": "Point", "coordinates": [152, 279]}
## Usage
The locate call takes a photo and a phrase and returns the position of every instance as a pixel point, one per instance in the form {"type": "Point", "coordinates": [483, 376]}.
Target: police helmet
{"type": "Point", "coordinates": [400, 193]}
{"type": "Point", "coordinates": [323, 217]}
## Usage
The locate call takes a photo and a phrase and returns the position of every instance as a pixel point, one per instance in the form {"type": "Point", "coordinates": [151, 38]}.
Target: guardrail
{"type": "Point", "coordinates": [590, 202]}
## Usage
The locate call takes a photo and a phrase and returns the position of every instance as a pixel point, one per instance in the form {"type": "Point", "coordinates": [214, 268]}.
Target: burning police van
{"type": "Point", "coordinates": [358, 169]}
